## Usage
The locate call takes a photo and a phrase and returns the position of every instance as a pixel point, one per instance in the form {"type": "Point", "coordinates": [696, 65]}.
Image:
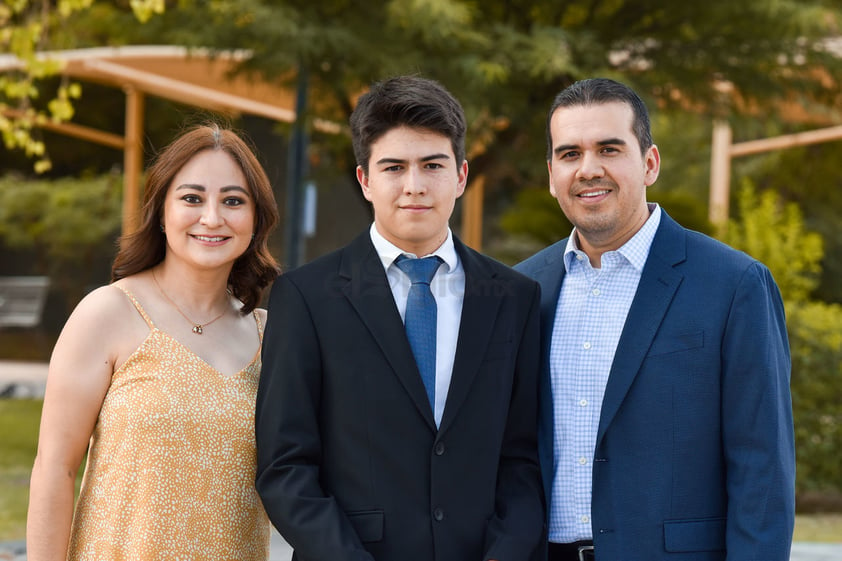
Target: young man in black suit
{"type": "Point", "coordinates": [371, 444]}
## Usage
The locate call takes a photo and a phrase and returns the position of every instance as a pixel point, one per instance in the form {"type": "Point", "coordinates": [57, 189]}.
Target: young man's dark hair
{"type": "Point", "coordinates": [410, 101]}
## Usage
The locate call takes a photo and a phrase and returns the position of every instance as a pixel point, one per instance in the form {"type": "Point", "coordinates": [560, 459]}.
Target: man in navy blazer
{"type": "Point", "coordinates": [666, 420]}
{"type": "Point", "coordinates": [356, 461]}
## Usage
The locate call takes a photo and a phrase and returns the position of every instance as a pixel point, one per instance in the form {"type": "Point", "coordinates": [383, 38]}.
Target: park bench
{"type": "Point", "coordinates": [22, 300]}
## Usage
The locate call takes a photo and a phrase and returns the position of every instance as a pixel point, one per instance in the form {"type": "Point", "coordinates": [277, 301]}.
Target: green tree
{"type": "Point", "coordinates": [506, 61]}
{"type": "Point", "coordinates": [808, 176]}
{"type": "Point", "coordinates": [28, 27]}
{"type": "Point", "coordinates": [773, 232]}
{"type": "Point", "coordinates": [66, 223]}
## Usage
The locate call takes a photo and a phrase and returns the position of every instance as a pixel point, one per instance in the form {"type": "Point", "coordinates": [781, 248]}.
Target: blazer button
{"type": "Point", "coordinates": [438, 514]}
{"type": "Point", "coordinates": [439, 449]}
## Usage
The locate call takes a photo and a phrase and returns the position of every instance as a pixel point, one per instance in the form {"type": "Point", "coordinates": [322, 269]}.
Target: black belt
{"type": "Point", "coordinates": [576, 551]}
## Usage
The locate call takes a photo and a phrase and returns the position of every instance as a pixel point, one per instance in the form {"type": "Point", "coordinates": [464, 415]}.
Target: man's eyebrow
{"type": "Point", "coordinates": [435, 157]}
{"type": "Point", "coordinates": [390, 161]}
{"type": "Point", "coordinates": [607, 142]}
{"type": "Point", "coordinates": [564, 148]}
{"type": "Point", "coordinates": [612, 141]}
{"type": "Point", "coordinates": [429, 158]}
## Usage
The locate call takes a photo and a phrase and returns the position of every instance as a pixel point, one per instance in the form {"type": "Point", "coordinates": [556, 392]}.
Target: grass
{"type": "Point", "coordinates": [19, 420]}
{"type": "Point", "coordinates": [826, 528]}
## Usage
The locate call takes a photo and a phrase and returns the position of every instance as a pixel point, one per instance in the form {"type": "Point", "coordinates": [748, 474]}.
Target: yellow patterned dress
{"type": "Point", "coordinates": [171, 465]}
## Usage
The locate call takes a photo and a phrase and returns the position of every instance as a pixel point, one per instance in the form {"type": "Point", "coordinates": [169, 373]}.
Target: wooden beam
{"type": "Point", "coordinates": [472, 213]}
{"type": "Point", "coordinates": [132, 159]}
{"type": "Point", "coordinates": [722, 151]}
{"type": "Point", "coordinates": [786, 141]}
{"type": "Point", "coordinates": [76, 131]}
{"type": "Point", "coordinates": [87, 133]}
{"type": "Point", "coordinates": [189, 94]}
{"type": "Point", "coordinates": [720, 173]}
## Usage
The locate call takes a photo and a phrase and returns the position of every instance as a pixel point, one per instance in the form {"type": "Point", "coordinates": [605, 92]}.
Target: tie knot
{"type": "Point", "coordinates": [419, 270]}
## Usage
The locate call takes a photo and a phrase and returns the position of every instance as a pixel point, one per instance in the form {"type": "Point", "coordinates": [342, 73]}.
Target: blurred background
{"type": "Point", "coordinates": [745, 99]}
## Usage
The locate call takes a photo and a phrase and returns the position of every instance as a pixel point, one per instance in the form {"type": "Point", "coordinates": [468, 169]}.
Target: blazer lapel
{"type": "Point", "coordinates": [367, 289]}
{"type": "Point", "coordinates": [479, 308]}
{"type": "Point", "coordinates": [549, 275]}
{"type": "Point", "coordinates": [658, 285]}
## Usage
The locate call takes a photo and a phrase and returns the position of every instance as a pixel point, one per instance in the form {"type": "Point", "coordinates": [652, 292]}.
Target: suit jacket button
{"type": "Point", "coordinates": [438, 514]}
{"type": "Point", "coordinates": [439, 449]}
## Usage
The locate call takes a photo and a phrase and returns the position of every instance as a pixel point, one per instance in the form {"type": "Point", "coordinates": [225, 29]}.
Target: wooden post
{"type": "Point", "coordinates": [132, 159]}
{"type": "Point", "coordinates": [720, 173]}
{"type": "Point", "coordinates": [472, 214]}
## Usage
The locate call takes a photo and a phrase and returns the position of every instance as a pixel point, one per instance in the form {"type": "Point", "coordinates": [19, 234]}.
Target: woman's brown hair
{"type": "Point", "coordinates": [146, 247]}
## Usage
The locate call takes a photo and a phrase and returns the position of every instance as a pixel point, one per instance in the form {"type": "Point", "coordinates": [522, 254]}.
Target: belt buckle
{"type": "Point", "coordinates": [586, 552]}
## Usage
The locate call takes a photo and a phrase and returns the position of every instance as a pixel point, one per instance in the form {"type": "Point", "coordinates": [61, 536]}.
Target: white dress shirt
{"type": "Point", "coordinates": [448, 288]}
{"type": "Point", "coordinates": [590, 316]}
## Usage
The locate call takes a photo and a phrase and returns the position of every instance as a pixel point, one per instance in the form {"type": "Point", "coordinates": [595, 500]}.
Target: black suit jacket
{"type": "Point", "coordinates": [350, 464]}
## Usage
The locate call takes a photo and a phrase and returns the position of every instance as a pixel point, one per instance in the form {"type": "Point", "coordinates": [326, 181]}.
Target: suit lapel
{"type": "Point", "coordinates": [367, 289]}
{"type": "Point", "coordinates": [658, 285]}
{"type": "Point", "coordinates": [549, 275]}
{"type": "Point", "coordinates": [479, 310]}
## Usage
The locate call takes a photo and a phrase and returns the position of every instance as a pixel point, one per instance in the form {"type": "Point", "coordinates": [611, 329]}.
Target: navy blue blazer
{"type": "Point", "coordinates": [350, 465]}
{"type": "Point", "coordinates": [694, 456]}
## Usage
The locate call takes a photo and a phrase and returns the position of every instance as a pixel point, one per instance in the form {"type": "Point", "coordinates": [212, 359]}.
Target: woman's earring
{"type": "Point", "coordinates": [162, 228]}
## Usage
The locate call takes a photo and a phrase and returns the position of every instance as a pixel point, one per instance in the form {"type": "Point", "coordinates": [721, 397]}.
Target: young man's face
{"type": "Point", "coordinates": [598, 174]}
{"type": "Point", "coordinates": [413, 182]}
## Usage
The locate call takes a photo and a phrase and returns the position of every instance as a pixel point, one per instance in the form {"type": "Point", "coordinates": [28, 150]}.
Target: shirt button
{"type": "Point", "coordinates": [595, 292]}
{"type": "Point", "coordinates": [438, 514]}
{"type": "Point", "coordinates": [584, 519]}
{"type": "Point", "coordinates": [583, 402]}
{"type": "Point", "coordinates": [583, 460]}
{"type": "Point", "coordinates": [587, 345]}
{"type": "Point", "coordinates": [439, 449]}
{"type": "Point", "coordinates": [579, 257]}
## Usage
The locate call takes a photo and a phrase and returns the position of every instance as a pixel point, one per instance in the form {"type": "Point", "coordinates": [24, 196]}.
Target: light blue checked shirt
{"type": "Point", "coordinates": [590, 316]}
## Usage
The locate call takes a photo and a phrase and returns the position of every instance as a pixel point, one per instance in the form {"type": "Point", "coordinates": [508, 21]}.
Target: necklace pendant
{"type": "Point", "coordinates": [197, 329]}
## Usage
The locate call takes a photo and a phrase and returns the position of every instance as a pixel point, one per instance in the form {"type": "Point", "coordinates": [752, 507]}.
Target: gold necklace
{"type": "Point", "coordinates": [197, 327]}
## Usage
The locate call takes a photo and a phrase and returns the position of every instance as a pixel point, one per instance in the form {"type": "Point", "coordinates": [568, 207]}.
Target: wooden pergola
{"type": "Point", "coordinates": [723, 150]}
{"type": "Point", "coordinates": [195, 77]}
{"type": "Point", "coordinates": [192, 77]}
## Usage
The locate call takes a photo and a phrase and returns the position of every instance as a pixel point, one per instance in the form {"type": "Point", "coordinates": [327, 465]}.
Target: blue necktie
{"type": "Point", "coordinates": [420, 317]}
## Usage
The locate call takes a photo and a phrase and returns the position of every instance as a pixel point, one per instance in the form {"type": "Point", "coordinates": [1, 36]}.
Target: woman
{"type": "Point", "coordinates": [159, 371]}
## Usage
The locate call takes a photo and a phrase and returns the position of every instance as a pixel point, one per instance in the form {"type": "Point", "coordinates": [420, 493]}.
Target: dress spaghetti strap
{"type": "Point", "coordinates": [259, 324]}
{"type": "Point", "coordinates": [142, 311]}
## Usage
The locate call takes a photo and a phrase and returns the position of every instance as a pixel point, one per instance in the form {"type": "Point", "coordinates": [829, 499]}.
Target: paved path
{"type": "Point", "coordinates": [26, 380]}
{"type": "Point", "coordinates": [280, 551]}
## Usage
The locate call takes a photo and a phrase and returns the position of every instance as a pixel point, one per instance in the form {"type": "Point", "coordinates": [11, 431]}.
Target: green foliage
{"type": "Point", "coordinates": [506, 61]}
{"type": "Point", "coordinates": [774, 233]}
{"type": "Point", "coordinates": [808, 176]}
{"type": "Point", "coordinates": [62, 218]}
{"type": "Point", "coordinates": [815, 331]}
{"type": "Point", "coordinates": [537, 217]}
{"type": "Point", "coordinates": [67, 223]}
{"type": "Point", "coordinates": [19, 421]}
{"type": "Point", "coordinates": [26, 30]}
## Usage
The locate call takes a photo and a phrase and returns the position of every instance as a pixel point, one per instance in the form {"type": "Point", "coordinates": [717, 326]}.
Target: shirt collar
{"type": "Point", "coordinates": [636, 250]}
{"type": "Point", "coordinates": [388, 252]}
